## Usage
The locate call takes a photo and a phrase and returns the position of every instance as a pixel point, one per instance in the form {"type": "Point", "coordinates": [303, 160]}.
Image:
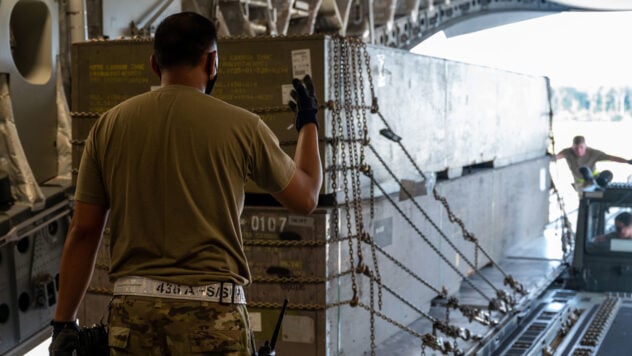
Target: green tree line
{"type": "Point", "coordinates": [603, 103]}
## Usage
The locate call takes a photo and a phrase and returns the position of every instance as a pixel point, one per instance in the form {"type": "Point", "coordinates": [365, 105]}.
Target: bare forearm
{"type": "Point", "coordinates": [75, 272]}
{"type": "Point", "coordinates": [617, 159]}
{"type": "Point", "coordinates": [301, 193]}
{"type": "Point", "coordinates": [307, 158]}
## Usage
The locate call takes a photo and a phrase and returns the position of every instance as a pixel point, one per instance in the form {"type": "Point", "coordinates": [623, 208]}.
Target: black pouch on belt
{"type": "Point", "coordinates": [93, 341]}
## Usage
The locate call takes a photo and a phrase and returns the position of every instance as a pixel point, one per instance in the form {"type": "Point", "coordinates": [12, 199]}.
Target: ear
{"type": "Point", "coordinates": [154, 65]}
{"type": "Point", "coordinates": [212, 65]}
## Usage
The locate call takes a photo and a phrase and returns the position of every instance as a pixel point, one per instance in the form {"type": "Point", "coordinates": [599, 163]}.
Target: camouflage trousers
{"type": "Point", "coordinates": [161, 326]}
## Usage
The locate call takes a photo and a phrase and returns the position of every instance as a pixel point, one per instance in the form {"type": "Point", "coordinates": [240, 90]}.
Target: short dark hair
{"type": "Point", "coordinates": [182, 39]}
{"type": "Point", "coordinates": [625, 218]}
{"type": "Point", "coordinates": [578, 140]}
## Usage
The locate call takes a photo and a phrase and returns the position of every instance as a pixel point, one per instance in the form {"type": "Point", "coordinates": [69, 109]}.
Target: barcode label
{"type": "Point", "coordinates": [301, 63]}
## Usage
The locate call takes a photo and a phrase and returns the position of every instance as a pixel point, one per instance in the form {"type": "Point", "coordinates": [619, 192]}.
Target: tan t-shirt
{"type": "Point", "coordinates": [171, 165]}
{"type": "Point", "coordinates": [589, 159]}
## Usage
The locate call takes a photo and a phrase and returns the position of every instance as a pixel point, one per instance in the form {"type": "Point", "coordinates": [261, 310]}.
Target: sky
{"type": "Point", "coordinates": [581, 49]}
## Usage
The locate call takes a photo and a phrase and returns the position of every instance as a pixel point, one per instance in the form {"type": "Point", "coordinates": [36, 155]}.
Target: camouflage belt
{"type": "Point", "coordinates": [225, 292]}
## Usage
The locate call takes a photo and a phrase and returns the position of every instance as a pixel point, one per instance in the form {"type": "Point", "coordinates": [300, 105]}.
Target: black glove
{"type": "Point", "coordinates": [630, 161]}
{"type": "Point", "coordinates": [65, 338]}
{"type": "Point", "coordinates": [306, 105]}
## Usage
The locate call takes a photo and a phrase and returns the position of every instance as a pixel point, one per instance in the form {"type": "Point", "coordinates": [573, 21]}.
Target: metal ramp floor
{"type": "Point", "coordinates": [535, 264]}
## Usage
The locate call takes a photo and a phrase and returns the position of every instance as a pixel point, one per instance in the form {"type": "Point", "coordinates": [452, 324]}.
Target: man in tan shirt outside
{"type": "Point", "coordinates": [580, 155]}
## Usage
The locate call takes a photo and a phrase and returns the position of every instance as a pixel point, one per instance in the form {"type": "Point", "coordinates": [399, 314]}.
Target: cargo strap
{"type": "Point", "coordinates": [224, 293]}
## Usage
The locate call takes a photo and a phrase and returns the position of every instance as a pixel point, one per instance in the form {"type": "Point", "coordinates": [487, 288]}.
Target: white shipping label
{"type": "Point", "coordinates": [301, 63]}
{"type": "Point", "coordinates": [255, 322]}
{"type": "Point", "coordinates": [297, 328]}
{"type": "Point", "coordinates": [285, 93]}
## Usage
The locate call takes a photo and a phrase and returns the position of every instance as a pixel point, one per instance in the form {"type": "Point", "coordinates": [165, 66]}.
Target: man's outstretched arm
{"type": "Point", "coordinates": [618, 159]}
{"type": "Point", "coordinates": [560, 155]}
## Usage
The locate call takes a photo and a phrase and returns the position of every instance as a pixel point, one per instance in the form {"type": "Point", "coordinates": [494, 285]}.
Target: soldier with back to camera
{"type": "Point", "coordinates": [169, 167]}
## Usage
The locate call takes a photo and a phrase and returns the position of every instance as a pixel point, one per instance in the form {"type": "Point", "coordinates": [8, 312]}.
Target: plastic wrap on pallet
{"type": "Point", "coordinates": [23, 184]}
{"type": "Point", "coordinates": [64, 154]}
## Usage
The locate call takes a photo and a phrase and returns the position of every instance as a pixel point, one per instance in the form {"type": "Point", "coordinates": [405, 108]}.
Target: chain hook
{"type": "Point", "coordinates": [515, 285]}
{"type": "Point", "coordinates": [375, 108]}
{"type": "Point", "coordinates": [355, 301]}
{"type": "Point", "coordinates": [366, 170]}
